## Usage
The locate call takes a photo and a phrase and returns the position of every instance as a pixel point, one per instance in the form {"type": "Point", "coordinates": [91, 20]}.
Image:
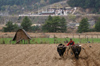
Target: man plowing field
{"type": "Point", "coordinates": [76, 49]}
{"type": "Point", "coordinates": [70, 43]}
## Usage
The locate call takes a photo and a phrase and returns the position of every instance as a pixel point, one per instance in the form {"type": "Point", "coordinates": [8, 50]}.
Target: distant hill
{"type": "Point", "coordinates": [20, 6]}
{"type": "Point", "coordinates": [93, 6]}
{"type": "Point", "coordinates": [31, 6]}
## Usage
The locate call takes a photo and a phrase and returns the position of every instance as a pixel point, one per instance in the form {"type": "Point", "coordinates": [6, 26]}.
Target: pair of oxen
{"type": "Point", "coordinates": [76, 49]}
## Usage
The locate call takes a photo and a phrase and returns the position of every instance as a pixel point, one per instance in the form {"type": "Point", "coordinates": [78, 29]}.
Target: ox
{"type": "Point", "coordinates": [76, 50]}
{"type": "Point", "coordinates": [61, 49]}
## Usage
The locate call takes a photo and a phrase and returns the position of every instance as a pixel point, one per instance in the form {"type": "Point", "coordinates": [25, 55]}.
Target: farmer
{"type": "Point", "coordinates": [70, 43]}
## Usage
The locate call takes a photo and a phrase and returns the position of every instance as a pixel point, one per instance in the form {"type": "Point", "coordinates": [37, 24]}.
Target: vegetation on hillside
{"type": "Point", "coordinates": [55, 24]}
{"type": "Point", "coordinates": [92, 4]}
{"type": "Point", "coordinates": [25, 2]}
{"type": "Point", "coordinates": [52, 24]}
{"type": "Point", "coordinates": [84, 26]}
{"type": "Point", "coordinates": [26, 23]}
{"type": "Point", "coordinates": [10, 27]}
{"type": "Point", "coordinates": [97, 25]}
{"type": "Point", "coordinates": [18, 6]}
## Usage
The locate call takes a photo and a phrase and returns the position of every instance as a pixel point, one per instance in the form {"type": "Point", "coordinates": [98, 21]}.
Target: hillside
{"type": "Point", "coordinates": [20, 6]}
{"type": "Point", "coordinates": [32, 6]}
{"type": "Point", "coordinates": [93, 6]}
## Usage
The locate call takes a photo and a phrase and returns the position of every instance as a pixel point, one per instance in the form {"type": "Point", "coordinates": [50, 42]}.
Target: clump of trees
{"type": "Point", "coordinates": [26, 23]}
{"type": "Point", "coordinates": [52, 24]}
{"type": "Point", "coordinates": [10, 27]}
{"type": "Point", "coordinates": [97, 25]}
{"type": "Point", "coordinates": [84, 25]}
{"type": "Point", "coordinates": [93, 4]}
{"type": "Point", "coordinates": [53, 1]}
{"type": "Point", "coordinates": [25, 2]}
{"type": "Point", "coordinates": [55, 24]}
{"type": "Point", "coordinates": [18, 6]}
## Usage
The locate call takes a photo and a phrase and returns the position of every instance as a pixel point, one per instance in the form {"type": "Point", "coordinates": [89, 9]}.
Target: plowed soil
{"type": "Point", "coordinates": [46, 55]}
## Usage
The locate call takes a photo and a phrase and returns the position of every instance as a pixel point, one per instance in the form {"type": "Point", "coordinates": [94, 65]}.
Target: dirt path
{"type": "Point", "coordinates": [46, 55]}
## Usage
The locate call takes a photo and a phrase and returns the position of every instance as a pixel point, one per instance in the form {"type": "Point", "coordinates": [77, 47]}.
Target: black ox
{"type": "Point", "coordinates": [61, 49]}
{"type": "Point", "coordinates": [76, 50]}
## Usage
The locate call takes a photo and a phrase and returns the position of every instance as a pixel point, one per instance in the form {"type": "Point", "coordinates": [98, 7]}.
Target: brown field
{"type": "Point", "coordinates": [46, 55]}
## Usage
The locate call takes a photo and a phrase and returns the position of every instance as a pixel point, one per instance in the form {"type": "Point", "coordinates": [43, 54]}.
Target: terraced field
{"type": "Point", "coordinates": [46, 55]}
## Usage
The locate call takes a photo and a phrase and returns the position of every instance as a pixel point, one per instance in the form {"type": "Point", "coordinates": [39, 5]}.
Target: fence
{"type": "Point", "coordinates": [55, 38]}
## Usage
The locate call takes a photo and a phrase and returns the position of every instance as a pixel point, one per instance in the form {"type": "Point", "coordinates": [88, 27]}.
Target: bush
{"type": "Point", "coordinates": [10, 27]}
{"type": "Point", "coordinates": [35, 28]}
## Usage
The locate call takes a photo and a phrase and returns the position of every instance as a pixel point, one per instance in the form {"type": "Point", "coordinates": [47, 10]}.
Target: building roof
{"type": "Point", "coordinates": [23, 31]}
{"type": "Point", "coordinates": [47, 12]}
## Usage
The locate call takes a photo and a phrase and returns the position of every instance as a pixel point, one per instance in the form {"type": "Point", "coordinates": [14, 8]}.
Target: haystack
{"type": "Point", "coordinates": [21, 35]}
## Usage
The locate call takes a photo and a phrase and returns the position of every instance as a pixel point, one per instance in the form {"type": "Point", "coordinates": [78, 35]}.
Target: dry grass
{"type": "Point", "coordinates": [52, 35]}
